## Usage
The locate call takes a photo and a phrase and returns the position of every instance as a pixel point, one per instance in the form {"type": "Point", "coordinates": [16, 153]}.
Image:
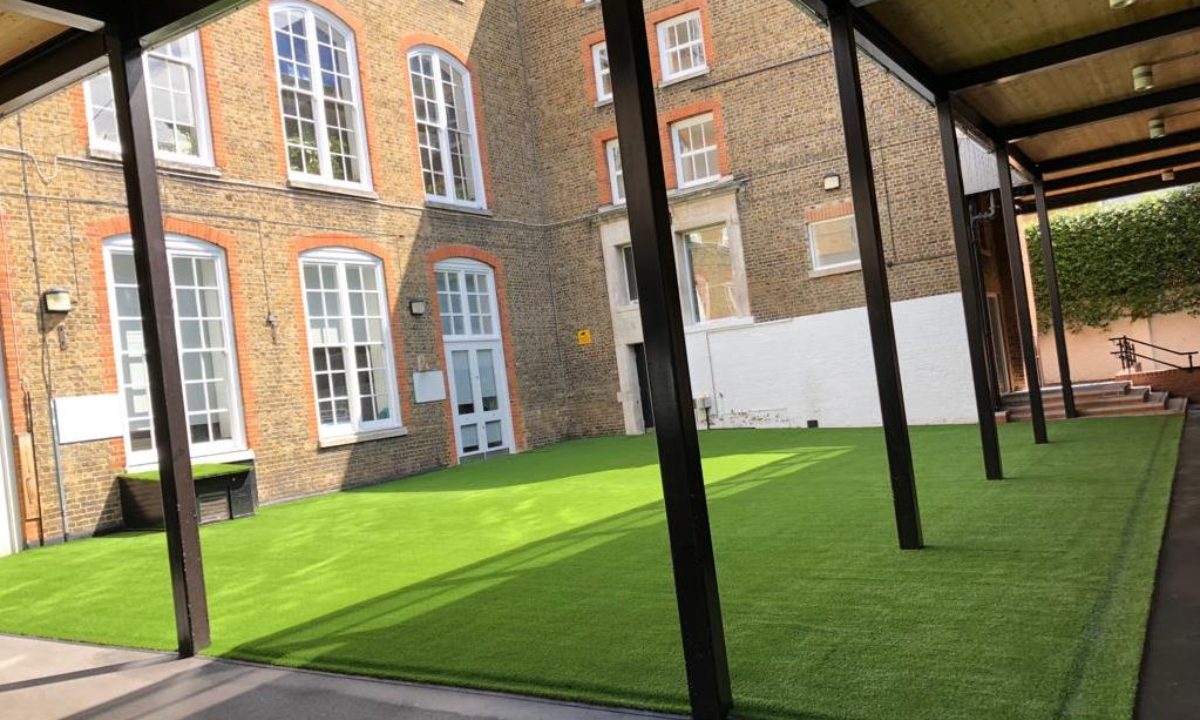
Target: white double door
{"type": "Point", "coordinates": [479, 396]}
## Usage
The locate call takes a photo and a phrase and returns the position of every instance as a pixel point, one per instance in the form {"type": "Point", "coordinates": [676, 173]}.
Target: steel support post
{"type": "Point", "coordinates": [1016, 264]}
{"type": "Point", "coordinates": [968, 278]}
{"type": "Point", "coordinates": [875, 282]}
{"type": "Point", "coordinates": [131, 101]}
{"type": "Point", "coordinates": [666, 359]}
{"type": "Point", "coordinates": [1060, 333]}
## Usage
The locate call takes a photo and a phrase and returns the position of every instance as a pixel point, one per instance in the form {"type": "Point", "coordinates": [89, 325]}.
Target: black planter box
{"type": "Point", "coordinates": [223, 492]}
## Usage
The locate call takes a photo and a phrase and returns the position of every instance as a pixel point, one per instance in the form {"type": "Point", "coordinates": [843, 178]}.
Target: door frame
{"type": "Point", "coordinates": [472, 347]}
{"type": "Point", "coordinates": [10, 507]}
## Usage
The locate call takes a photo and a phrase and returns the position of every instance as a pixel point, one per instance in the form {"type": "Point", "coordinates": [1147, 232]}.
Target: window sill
{"type": "Point", "coordinates": [187, 168]}
{"type": "Point", "coordinates": [717, 184]}
{"type": "Point", "coordinates": [835, 270]}
{"type": "Point", "coordinates": [684, 78]}
{"type": "Point", "coordinates": [233, 456]}
{"type": "Point", "coordinates": [361, 437]}
{"type": "Point", "coordinates": [722, 324]}
{"type": "Point", "coordinates": [604, 103]}
{"type": "Point", "coordinates": [328, 188]}
{"type": "Point", "coordinates": [452, 207]}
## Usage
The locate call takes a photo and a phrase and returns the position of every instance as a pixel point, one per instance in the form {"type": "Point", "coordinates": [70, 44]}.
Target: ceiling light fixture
{"type": "Point", "coordinates": [1118, 4]}
{"type": "Point", "coordinates": [1168, 175]}
{"type": "Point", "coordinates": [1158, 128]}
{"type": "Point", "coordinates": [1143, 78]}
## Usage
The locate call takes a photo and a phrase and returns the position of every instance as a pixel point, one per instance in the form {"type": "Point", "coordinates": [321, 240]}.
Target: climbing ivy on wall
{"type": "Point", "coordinates": [1134, 261]}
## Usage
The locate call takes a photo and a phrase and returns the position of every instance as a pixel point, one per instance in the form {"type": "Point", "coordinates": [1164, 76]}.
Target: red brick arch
{"type": "Point", "coordinates": [391, 281]}
{"type": "Point", "coordinates": [101, 230]}
{"type": "Point", "coordinates": [453, 252]}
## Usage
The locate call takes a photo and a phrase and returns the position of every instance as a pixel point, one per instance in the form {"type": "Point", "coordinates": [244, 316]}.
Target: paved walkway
{"type": "Point", "coordinates": [1170, 682]}
{"type": "Point", "coordinates": [44, 680]}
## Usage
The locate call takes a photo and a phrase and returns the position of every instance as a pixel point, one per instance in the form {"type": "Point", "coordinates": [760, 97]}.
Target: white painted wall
{"type": "Point", "coordinates": [1089, 350]}
{"type": "Point", "coordinates": [820, 367]}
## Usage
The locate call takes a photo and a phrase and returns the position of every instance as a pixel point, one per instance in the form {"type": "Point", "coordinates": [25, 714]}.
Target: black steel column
{"type": "Point", "coordinates": [1060, 333]}
{"type": "Point", "coordinates": [666, 359]}
{"type": "Point", "coordinates": [968, 278]}
{"type": "Point", "coordinates": [1016, 266]}
{"type": "Point", "coordinates": [131, 101]}
{"type": "Point", "coordinates": [879, 303]}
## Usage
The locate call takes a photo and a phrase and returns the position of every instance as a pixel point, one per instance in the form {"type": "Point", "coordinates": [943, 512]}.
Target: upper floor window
{"type": "Point", "coordinates": [204, 331]}
{"type": "Point", "coordinates": [833, 244]}
{"type": "Point", "coordinates": [616, 177]}
{"type": "Point", "coordinates": [178, 106]}
{"type": "Point", "coordinates": [349, 342]}
{"type": "Point", "coordinates": [681, 47]}
{"type": "Point", "coordinates": [601, 72]}
{"type": "Point", "coordinates": [695, 146]}
{"type": "Point", "coordinates": [447, 138]}
{"type": "Point", "coordinates": [319, 95]}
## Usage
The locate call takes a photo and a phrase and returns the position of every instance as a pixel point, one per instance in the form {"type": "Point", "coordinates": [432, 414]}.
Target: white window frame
{"type": "Point", "coordinates": [325, 176]}
{"type": "Point", "coordinates": [343, 257]}
{"type": "Point", "coordinates": [628, 273]}
{"type": "Point", "coordinates": [616, 174]}
{"type": "Point", "coordinates": [601, 71]}
{"type": "Point", "coordinates": [817, 265]}
{"type": "Point", "coordinates": [678, 150]}
{"type": "Point", "coordinates": [664, 51]}
{"type": "Point", "coordinates": [443, 132]}
{"type": "Point", "coordinates": [179, 245]}
{"type": "Point", "coordinates": [195, 68]}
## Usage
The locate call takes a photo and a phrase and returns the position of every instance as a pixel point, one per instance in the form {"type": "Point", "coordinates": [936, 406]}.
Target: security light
{"type": "Point", "coordinates": [1143, 78]}
{"type": "Point", "coordinates": [417, 307]}
{"type": "Point", "coordinates": [57, 300]}
{"type": "Point", "coordinates": [833, 181]}
{"type": "Point", "coordinates": [1168, 175]}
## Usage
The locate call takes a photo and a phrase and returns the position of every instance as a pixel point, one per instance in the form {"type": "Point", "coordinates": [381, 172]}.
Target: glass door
{"type": "Point", "coordinates": [480, 399]}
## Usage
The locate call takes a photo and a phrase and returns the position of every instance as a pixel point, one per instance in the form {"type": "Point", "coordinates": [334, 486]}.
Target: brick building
{"type": "Point", "coordinates": [390, 222]}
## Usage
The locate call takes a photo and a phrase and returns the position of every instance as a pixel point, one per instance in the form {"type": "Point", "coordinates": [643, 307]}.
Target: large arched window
{"type": "Point", "coordinates": [350, 346]}
{"type": "Point", "coordinates": [320, 98]}
{"type": "Point", "coordinates": [447, 136]}
{"type": "Point", "coordinates": [207, 357]}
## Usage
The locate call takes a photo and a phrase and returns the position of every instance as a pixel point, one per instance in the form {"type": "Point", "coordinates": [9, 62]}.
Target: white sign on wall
{"type": "Point", "coordinates": [429, 386]}
{"type": "Point", "coordinates": [84, 418]}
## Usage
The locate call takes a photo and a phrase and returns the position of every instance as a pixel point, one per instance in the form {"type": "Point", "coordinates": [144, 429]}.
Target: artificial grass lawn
{"type": "Point", "coordinates": [548, 573]}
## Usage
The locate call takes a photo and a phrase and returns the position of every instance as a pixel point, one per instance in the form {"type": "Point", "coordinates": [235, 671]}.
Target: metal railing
{"type": "Point", "coordinates": [1127, 353]}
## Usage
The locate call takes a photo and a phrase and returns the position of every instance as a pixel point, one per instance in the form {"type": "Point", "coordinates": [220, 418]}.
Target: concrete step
{"type": "Point", "coordinates": [1106, 387]}
{"type": "Point", "coordinates": [1135, 395]}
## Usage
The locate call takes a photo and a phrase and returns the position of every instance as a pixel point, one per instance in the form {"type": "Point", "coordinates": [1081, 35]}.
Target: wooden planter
{"type": "Point", "coordinates": [225, 492]}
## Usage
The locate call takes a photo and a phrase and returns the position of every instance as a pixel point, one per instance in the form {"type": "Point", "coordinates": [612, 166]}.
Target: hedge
{"type": "Point", "coordinates": [1132, 261]}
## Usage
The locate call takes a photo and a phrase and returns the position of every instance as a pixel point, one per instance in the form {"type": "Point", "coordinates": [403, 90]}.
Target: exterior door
{"type": "Point", "coordinates": [475, 363]}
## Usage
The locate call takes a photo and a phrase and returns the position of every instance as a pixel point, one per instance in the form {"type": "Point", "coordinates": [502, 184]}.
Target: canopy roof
{"type": "Point", "coordinates": [1054, 80]}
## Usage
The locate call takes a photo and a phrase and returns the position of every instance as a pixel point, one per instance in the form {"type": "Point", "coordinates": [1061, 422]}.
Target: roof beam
{"type": "Point", "coordinates": [1074, 50]}
{"type": "Point", "coordinates": [1115, 190]}
{"type": "Point", "coordinates": [1098, 113]}
{"type": "Point", "coordinates": [1123, 171]}
{"type": "Point", "coordinates": [1120, 152]}
{"type": "Point", "coordinates": [79, 14]}
{"type": "Point", "coordinates": [55, 64]}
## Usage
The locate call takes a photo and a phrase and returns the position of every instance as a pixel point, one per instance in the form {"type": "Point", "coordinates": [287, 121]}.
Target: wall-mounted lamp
{"type": "Point", "coordinates": [57, 300]}
{"type": "Point", "coordinates": [418, 307]}
{"type": "Point", "coordinates": [1168, 175]}
{"type": "Point", "coordinates": [1158, 128]}
{"type": "Point", "coordinates": [833, 181]}
{"type": "Point", "coordinates": [1143, 78]}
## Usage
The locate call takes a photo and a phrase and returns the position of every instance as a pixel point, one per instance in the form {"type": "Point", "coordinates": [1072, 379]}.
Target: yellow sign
{"type": "Point", "coordinates": [584, 336]}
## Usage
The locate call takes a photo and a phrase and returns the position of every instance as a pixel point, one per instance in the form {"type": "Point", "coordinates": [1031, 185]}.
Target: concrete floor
{"type": "Point", "coordinates": [42, 679]}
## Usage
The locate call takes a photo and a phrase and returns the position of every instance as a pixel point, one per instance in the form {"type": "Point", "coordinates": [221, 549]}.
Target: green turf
{"type": "Point", "coordinates": [548, 573]}
{"type": "Point", "coordinates": [201, 471]}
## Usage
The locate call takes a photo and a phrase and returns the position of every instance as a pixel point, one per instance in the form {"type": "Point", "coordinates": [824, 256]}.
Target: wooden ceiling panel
{"type": "Point", "coordinates": [1118, 181]}
{"type": "Point", "coordinates": [1127, 161]}
{"type": "Point", "coordinates": [1087, 83]}
{"type": "Point", "coordinates": [19, 33]}
{"type": "Point", "coordinates": [1183, 116]}
{"type": "Point", "coordinates": [952, 35]}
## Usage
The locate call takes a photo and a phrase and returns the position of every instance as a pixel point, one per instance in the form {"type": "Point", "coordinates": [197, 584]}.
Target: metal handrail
{"type": "Point", "coordinates": [1128, 354]}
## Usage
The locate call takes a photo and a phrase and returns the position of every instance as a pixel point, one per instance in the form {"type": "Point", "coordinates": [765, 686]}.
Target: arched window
{"type": "Point", "coordinates": [207, 356]}
{"type": "Point", "coordinates": [317, 71]}
{"type": "Point", "coordinates": [350, 345]}
{"type": "Point", "coordinates": [447, 137]}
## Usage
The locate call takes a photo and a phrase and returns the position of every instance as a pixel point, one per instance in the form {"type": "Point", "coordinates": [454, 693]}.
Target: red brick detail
{"type": "Point", "coordinates": [590, 41]}
{"type": "Point", "coordinates": [666, 120]}
{"type": "Point", "coordinates": [32, 526]}
{"type": "Point", "coordinates": [79, 117]}
{"type": "Point", "coordinates": [407, 43]}
{"type": "Point", "coordinates": [1180, 383]}
{"type": "Point", "coordinates": [599, 141]}
{"type": "Point", "coordinates": [450, 252]}
{"type": "Point", "coordinates": [101, 230]}
{"type": "Point", "coordinates": [391, 281]}
{"type": "Point", "coordinates": [364, 81]}
{"type": "Point", "coordinates": [212, 93]}
{"type": "Point", "coordinates": [653, 19]}
{"type": "Point", "coordinates": [829, 211]}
